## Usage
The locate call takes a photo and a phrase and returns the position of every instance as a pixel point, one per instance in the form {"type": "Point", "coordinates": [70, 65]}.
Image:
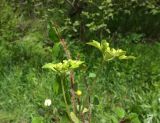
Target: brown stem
{"type": "Point", "coordinates": [82, 116]}
{"type": "Point", "coordinates": [68, 54]}
{"type": "Point", "coordinates": [63, 43]}
{"type": "Point", "coordinates": [80, 111]}
{"type": "Point", "coordinates": [90, 114]}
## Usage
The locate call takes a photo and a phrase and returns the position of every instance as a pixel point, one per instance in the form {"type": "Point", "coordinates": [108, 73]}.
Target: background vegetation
{"type": "Point", "coordinates": [25, 46]}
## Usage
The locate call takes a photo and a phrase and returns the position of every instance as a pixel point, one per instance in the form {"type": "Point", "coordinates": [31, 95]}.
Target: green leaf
{"type": "Point", "coordinates": [52, 33]}
{"type": "Point", "coordinates": [49, 66]}
{"type": "Point", "coordinates": [109, 53]}
{"type": "Point", "coordinates": [104, 46]}
{"type": "Point", "coordinates": [37, 120]}
{"type": "Point", "coordinates": [74, 118]}
{"type": "Point", "coordinates": [92, 75]}
{"type": "Point", "coordinates": [65, 66]}
{"type": "Point", "coordinates": [56, 49]}
{"type": "Point", "coordinates": [107, 56]}
{"type": "Point", "coordinates": [120, 112]}
{"type": "Point", "coordinates": [126, 57]}
{"type": "Point", "coordinates": [95, 44]}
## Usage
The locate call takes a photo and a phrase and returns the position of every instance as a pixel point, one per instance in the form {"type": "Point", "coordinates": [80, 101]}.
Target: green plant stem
{"type": "Point", "coordinates": [64, 96]}
{"type": "Point", "coordinates": [67, 52]}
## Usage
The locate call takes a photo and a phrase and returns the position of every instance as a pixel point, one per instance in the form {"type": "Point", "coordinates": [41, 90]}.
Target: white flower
{"type": "Point", "coordinates": [47, 102]}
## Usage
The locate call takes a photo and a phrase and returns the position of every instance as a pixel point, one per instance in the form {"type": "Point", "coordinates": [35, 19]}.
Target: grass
{"type": "Point", "coordinates": [132, 85]}
{"type": "Point", "coordinates": [24, 85]}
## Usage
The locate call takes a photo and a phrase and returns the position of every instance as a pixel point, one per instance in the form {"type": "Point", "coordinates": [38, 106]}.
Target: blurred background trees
{"type": "Point", "coordinates": [83, 19]}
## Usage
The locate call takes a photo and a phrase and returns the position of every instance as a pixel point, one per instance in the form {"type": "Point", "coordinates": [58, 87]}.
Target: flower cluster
{"type": "Point", "coordinates": [109, 53]}
{"type": "Point", "coordinates": [65, 66]}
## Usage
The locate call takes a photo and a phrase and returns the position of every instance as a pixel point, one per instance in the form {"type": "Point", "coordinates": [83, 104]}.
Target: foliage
{"type": "Point", "coordinates": [96, 19]}
{"type": "Point", "coordinates": [68, 65]}
{"type": "Point", "coordinates": [64, 67]}
{"type": "Point", "coordinates": [110, 53]}
{"type": "Point", "coordinates": [119, 91]}
{"type": "Point", "coordinates": [81, 20]}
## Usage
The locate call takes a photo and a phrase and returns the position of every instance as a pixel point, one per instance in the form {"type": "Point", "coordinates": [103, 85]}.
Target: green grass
{"type": "Point", "coordinates": [24, 85]}
{"type": "Point", "coordinates": [133, 85]}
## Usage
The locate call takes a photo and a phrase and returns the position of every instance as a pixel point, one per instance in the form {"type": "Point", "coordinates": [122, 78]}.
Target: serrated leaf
{"type": "Point", "coordinates": [126, 57]}
{"type": "Point", "coordinates": [65, 66]}
{"type": "Point", "coordinates": [104, 46]}
{"type": "Point", "coordinates": [107, 56]}
{"type": "Point", "coordinates": [109, 53]}
{"type": "Point", "coordinates": [49, 66]}
{"type": "Point", "coordinates": [95, 44]}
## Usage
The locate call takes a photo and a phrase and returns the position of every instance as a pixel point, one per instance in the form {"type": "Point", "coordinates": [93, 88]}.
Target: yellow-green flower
{"type": "Point", "coordinates": [108, 52]}
{"type": "Point", "coordinates": [65, 66]}
{"type": "Point", "coordinates": [79, 93]}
